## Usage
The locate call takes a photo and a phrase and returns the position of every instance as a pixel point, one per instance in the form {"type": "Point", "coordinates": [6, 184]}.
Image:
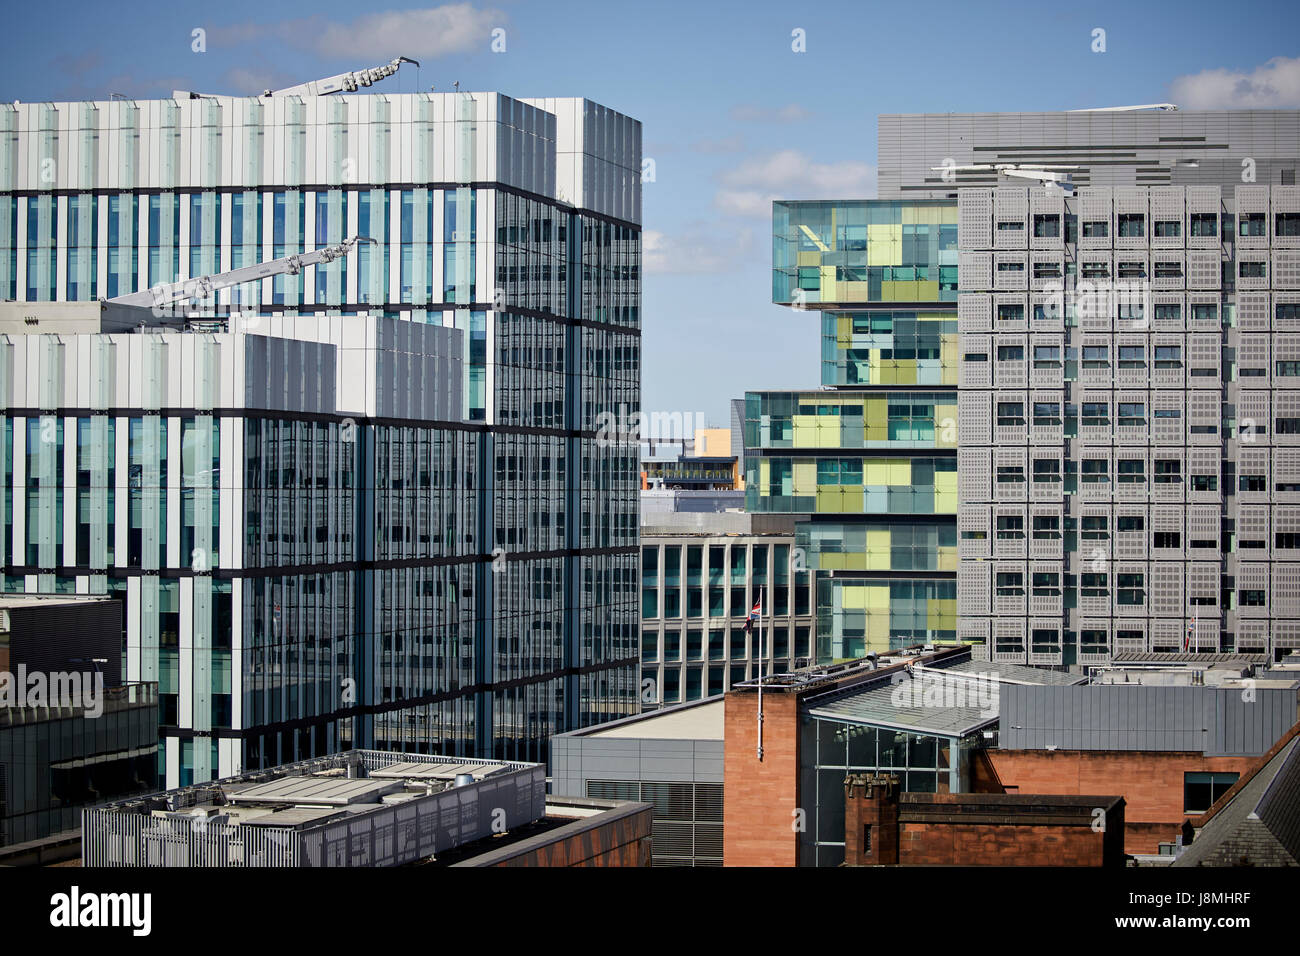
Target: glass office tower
{"type": "Point", "coordinates": [475, 572]}
{"type": "Point", "coordinates": [868, 462]}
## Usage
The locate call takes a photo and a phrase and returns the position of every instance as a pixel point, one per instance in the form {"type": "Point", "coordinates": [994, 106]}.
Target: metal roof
{"type": "Point", "coordinates": [692, 722]}
{"type": "Point", "coordinates": [1013, 673]}
{"type": "Point", "coordinates": [901, 706]}
{"type": "Point", "coordinates": [878, 708]}
{"type": "Point", "coordinates": [1179, 657]}
{"type": "Point", "coordinates": [435, 771]}
{"type": "Point", "coordinates": [326, 791]}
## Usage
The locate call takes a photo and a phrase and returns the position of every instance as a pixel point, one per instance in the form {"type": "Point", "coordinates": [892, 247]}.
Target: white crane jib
{"type": "Point", "coordinates": [1046, 174]}
{"type": "Point", "coordinates": [340, 83]}
{"type": "Point", "coordinates": [343, 82]}
{"type": "Point", "coordinates": [1162, 107]}
{"type": "Point", "coordinates": [166, 293]}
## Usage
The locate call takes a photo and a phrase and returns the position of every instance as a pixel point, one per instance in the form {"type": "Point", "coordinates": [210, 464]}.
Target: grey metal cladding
{"type": "Point", "coordinates": [1115, 149]}
{"type": "Point", "coordinates": [581, 758]}
{"type": "Point", "coordinates": [1216, 721]}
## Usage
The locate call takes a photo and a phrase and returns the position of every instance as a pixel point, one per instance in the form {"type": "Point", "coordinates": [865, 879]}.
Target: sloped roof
{"type": "Point", "coordinates": [1257, 823]}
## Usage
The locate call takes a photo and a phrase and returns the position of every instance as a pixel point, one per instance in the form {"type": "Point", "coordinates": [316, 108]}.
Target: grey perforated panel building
{"type": "Point", "coordinates": [1129, 394]}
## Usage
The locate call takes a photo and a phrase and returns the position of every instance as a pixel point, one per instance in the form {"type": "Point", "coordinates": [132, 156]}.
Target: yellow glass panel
{"type": "Point", "coordinates": [807, 259]}
{"type": "Point", "coordinates": [878, 629]}
{"type": "Point", "coordinates": [805, 477]}
{"type": "Point", "coordinates": [844, 331]}
{"type": "Point", "coordinates": [804, 428]}
{"type": "Point", "coordinates": [764, 474]}
{"type": "Point", "coordinates": [888, 291]}
{"type": "Point", "coordinates": [853, 598]}
{"type": "Point", "coordinates": [877, 550]}
{"type": "Point", "coordinates": [900, 472]}
{"type": "Point", "coordinates": [877, 411]}
{"type": "Point", "coordinates": [877, 597]}
{"type": "Point", "coordinates": [884, 244]}
{"type": "Point", "coordinates": [876, 472]}
{"type": "Point", "coordinates": [927, 290]}
{"type": "Point", "coordinates": [941, 614]}
{"type": "Point", "coordinates": [830, 293]}
{"type": "Point", "coordinates": [947, 558]}
{"type": "Point", "coordinates": [948, 353]}
{"type": "Point", "coordinates": [905, 371]}
{"type": "Point", "coordinates": [831, 561]}
{"type": "Point", "coordinates": [945, 492]}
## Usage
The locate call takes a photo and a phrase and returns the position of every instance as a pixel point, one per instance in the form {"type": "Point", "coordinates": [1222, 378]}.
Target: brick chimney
{"type": "Point", "coordinates": [871, 819]}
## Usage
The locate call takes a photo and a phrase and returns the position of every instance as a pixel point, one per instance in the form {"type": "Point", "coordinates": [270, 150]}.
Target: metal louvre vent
{"type": "Point", "coordinates": [673, 842]}
{"type": "Point", "coordinates": [672, 801]}
{"type": "Point", "coordinates": [687, 828]}
{"type": "Point", "coordinates": [708, 804]}
{"type": "Point", "coordinates": [614, 790]}
{"type": "Point", "coordinates": [708, 842]}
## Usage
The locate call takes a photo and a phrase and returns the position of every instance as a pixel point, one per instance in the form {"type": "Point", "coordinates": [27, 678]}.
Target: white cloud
{"type": "Point", "coordinates": [433, 32]}
{"type": "Point", "coordinates": [1275, 85]}
{"type": "Point", "coordinates": [749, 113]}
{"type": "Point", "coordinates": [454, 28]}
{"type": "Point", "coordinates": [697, 250]}
{"type": "Point", "coordinates": [749, 189]}
{"type": "Point", "coordinates": [721, 144]}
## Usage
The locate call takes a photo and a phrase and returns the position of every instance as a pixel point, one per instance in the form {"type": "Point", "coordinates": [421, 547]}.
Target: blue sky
{"type": "Point", "coordinates": [732, 115]}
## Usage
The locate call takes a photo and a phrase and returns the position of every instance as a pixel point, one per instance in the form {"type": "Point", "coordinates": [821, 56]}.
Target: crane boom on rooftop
{"type": "Point", "coordinates": [348, 82]}
{"type": "Point", "coordinates": [204, 286]}
{"type": "Point", "coordinates": [343, 82]}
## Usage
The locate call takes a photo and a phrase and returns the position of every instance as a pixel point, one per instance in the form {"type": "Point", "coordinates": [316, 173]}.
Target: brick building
{"type": "Point", "coordinates": [784, 791]}
{"type": "Point", "coordinates": [885, 827]}
{"type": "Point", "coordinates": [1171, 738]}
{"type": "Point", "coordinates": [1153, 784]}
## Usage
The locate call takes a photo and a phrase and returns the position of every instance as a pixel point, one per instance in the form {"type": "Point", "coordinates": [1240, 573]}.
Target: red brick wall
{"type": "Point", "coordinates": [1150, 783]}
{"type": "Point", "coordinates": [760, 798]}
{"type": "Point", "coordinates": [952, 844]}
{"type": "Point", "coordinates": [621, 842]}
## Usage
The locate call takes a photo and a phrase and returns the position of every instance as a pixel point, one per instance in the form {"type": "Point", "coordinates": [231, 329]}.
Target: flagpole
{"type": "Point", "coordinates": [761, 654]}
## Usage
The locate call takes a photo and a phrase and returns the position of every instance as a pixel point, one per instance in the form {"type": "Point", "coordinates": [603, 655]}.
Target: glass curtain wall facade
{"type": "Point", "coordinates": [830, 750]}
{"type": "Point", "coordinates": [508, 533]}
{"type": "Point", "coordinates": [869, 461]}
{"type": "Point", "coordinates": [696, 593]}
